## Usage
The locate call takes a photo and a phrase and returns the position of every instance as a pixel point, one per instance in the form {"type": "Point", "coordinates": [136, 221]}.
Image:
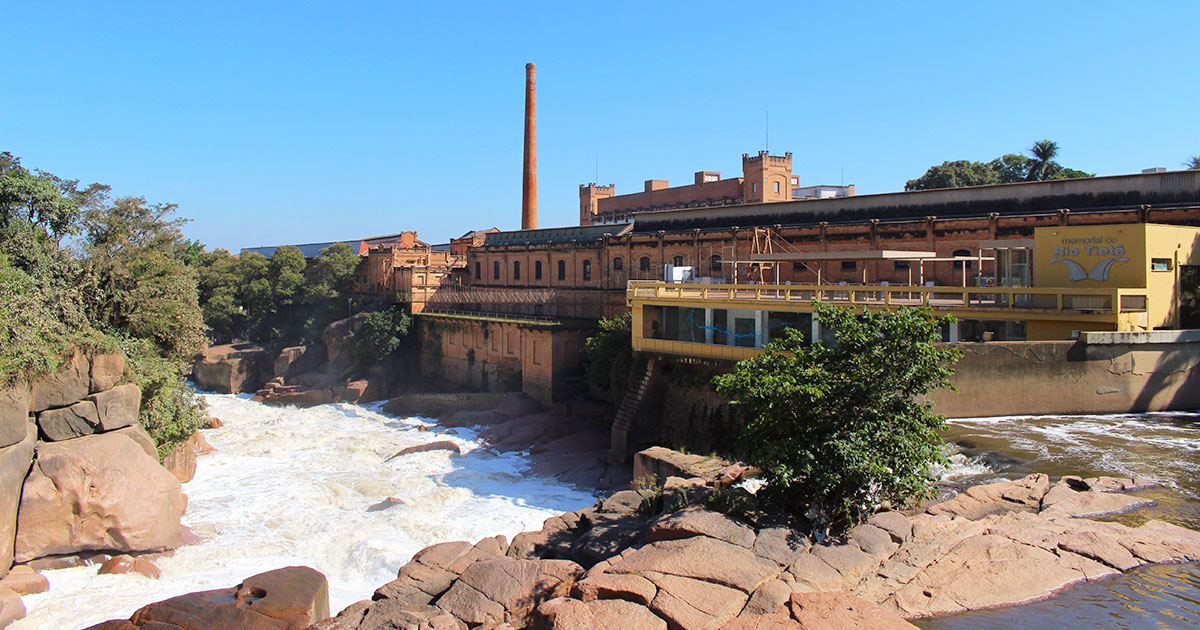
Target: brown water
{"type": "Point", "coordinates": [1164, 447]}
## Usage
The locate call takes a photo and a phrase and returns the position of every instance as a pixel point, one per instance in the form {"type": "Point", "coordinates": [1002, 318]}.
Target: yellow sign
{"type": "Point", "coordinates": [1100, 255]}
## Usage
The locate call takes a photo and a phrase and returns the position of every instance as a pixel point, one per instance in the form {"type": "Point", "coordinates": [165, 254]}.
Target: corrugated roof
{"type": "Point", "coordinates": [576, 234]}
{"type": "Point", "coordinates": [310, 250]}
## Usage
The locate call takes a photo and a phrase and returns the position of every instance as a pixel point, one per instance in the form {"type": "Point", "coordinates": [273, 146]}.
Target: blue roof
{"type": "Point", "coordinates": [310, 250]}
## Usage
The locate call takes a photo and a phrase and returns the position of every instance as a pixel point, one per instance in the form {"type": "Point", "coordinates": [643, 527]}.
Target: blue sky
{"type": "Point", "coordinates": [299, 122]}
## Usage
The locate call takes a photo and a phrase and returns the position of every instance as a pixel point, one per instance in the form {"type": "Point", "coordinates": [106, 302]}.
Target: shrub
{"type": "Point", "coordinates": [609, 355]}
{"type": "Point", "coordinates": [171, 411]}
{"type": "Point", "coordinates": [840, 430]}
{"type": "Point", "coordinates": [379, 334]}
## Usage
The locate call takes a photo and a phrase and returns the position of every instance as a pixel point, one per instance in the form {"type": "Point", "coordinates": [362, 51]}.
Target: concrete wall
{"type": "Point", "coordinates": [1111, 374]}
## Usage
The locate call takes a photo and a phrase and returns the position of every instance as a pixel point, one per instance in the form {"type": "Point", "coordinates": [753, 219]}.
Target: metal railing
{"type": "Point", "coordinates": [1097, 301]}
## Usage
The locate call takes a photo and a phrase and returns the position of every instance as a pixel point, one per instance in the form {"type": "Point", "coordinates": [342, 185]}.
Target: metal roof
{"type": "Point", "coordinates": [576, 234]}
{"type": "Point", "coordinates": [876, 254]}
{"type": "Point", "coordinates": [310, 250]}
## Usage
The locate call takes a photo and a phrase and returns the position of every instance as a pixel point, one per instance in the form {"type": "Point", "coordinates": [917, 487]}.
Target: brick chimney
{"type": "Point", "coordinates": [529, 181]}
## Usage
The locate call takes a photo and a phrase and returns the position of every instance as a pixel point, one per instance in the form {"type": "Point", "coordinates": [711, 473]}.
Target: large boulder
{"type": "Point", "coordinates": [335, 335]}
{"type": "Point", "coordinates": [290, 598]}
{"type": "Point", "coordinates": [15, 460]}
{"type": "Point", "coordinates": [99, 492]}
{"type": "Point", "coordinates": [106, 371]}
{"type": "Point", "coordinates": [11, 607]}
{"type": "Point", "coordinates": [136, 433]}
{"type": "Point", "coordinates": [824, 611]}
{"type": "Point", "coordinates": [294, 360]}
{"type": "Point", "coordinates": [235, 368]}
{"type": "Point", "coordinates": [118, 407]}
{"type": "Point", "coordinates": [66, 423]}
{"type": "Point", "coordinates": [506, 590]}
{"type": "Point", "coordinates": [181, 460]}
{"type": "Point", "coordinates": [63, 388]}
{"type": "Point", "coordinates": [14, 413]}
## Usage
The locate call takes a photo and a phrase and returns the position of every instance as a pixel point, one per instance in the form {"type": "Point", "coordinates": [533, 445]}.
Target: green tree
{"type": "Point", "coordinates": [380, 333]}
{"type": "Point", "coordinates": [1043, 166]}
{"type": "Point", "coordinates": [608, 355]}
{"type": "Point", "coordinates": [954, 175]}
{"type": "Point", "coordinates": [840, 430]}
{"type": "Point", "coordinates": [1010, 168]}
{"type": "Point", "coordinates": [1193, 163]}
{"type": "Point", "coordinates": [220, 304]}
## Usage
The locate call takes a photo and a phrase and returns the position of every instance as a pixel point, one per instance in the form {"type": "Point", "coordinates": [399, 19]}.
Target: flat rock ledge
{"type": "Point", "coordinates": [621, 565]}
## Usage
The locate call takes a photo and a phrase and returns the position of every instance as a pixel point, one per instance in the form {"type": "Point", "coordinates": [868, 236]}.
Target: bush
{"type": "Point", "coordinates": [379, 334]}
{"type": "Point", "coordinates": [840, 430]}
{"type": "Point", "coordinates": [609, 355]}
{"type": "Point", "coordinates": [171, 411]}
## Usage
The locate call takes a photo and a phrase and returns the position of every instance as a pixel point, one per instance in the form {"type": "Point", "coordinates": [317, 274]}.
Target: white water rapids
{"type": "Point", "coordinates": [292, 486]}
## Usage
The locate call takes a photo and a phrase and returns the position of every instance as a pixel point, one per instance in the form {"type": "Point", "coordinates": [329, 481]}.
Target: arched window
{"type": "Point", "coordinates": [562, 270]}
{"type": "Point", "coordinates": [587, 270]}
{"type": "Point", "coordinates": [714, 263]}
{"type": "Point", "coordinates": [618, 263]}
{"type": "Point", "coordinates": [516, 270]}
{"type": "Point", "coordinates": [537, 270]}
{"type": "Point", "coordinates": [678, 262]}
{"type": "Point", "coordinates": [477, 274]}
{"type": "Point", "coordinates": [644, 263]}
{"type": "Point", "coordinates": [495, 270]}
{"type": "Point", "coordinates": [958, 264]}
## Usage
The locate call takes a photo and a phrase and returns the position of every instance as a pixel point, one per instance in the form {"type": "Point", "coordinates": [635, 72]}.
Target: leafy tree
{"type": "Point", "coordinates": [380, 333]}
{"type": "Point", "coordinates": [1010, 168]}
{"type": "Point", "coordinates": [1193, 163]}
{"type": "Point", "coordinates": [218, 285]}
{"type": "Point", "coordinates": [840, 430]}
{"type": "Point", "coordinates": [954, 175]}
{"type": "Point", "coordinates": [1043, 165]}
{"type": "Point", "coordinates": [609, 355]}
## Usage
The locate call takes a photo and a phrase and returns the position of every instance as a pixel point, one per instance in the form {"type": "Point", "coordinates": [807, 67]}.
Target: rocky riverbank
{"type": "Point", "coordinates": [667, 559]}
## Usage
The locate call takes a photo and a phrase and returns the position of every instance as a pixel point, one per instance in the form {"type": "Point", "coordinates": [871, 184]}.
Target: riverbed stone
{"type": "Point", "coordinates": [106, 371]}
{"type": "Point", "coordinates": [1073, 498]}
{"type": "Point", "coordinates": [976, 502]}
{"type": "Point", "coordinates": [694, 604]}
{"type": "Point", "coordinates": [15, 461]}
{"type": "Point", "coordinates": [11, 607]}
{"type": "Point", "coordinates": [124, 563]}
{"type": "Point", "coordinates": [65, 423]}
{"type": "Point", "coordinates": [25, 581]}
{"type": "Point", "coordinates": [14, 413]}
{"type": "Point", "coordinates": [98, 492]}
{"type": "Point", "coordinates": [701, 558]}
{"type": "Point", "coordinates": [501, 589]}
{"type": "Point", "coordinates": [119, 406]}
{"type": "Point", "coordinates": [70, 384]}
{"type": "Point", "coordinates": [700, 521]}
{"type": "Point", "coordinates": [634, 588]}
{"type": "Point", "coordinates": [138, 434]}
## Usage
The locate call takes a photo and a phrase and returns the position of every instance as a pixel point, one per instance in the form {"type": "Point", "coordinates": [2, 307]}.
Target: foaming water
{"type": "Point", "coordinates": [293, 486]}
{"type": "Point", "coordinates": [1164, 447]}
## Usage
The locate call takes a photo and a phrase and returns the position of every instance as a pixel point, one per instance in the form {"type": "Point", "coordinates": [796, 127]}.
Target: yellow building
{"type": "Point", "coordinates": [1125, 277]}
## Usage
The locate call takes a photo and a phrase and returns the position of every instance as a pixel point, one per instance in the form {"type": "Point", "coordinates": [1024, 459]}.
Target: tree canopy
{"type": "Point", "coordinates": [1006, 169]}
{"type": "Point", "coordinates": [840, 429]}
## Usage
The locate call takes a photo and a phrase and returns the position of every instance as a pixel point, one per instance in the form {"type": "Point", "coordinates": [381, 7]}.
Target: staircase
{"type": "Point", "coordinates": [626, 412]}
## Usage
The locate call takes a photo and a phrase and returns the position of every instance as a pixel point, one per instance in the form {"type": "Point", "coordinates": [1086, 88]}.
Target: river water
{"type": "Point", "coordinates": [1164, 447]}
{"type": "Point", "coordinates": [293, 486]}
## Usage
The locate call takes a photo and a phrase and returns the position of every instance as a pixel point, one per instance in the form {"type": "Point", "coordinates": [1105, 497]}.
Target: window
{"type": "Point", "coordinates": [495, 270]}
{"type": "Point", "coordinates": [618, 263]}
{"type": "Point", "coordinates": [477, 275]}
{"type": "Point", "coordinates": [795, 181]}
{"type": "Point", "coordinates": [516, 270]}
{"type": "Point", "coordinates": [1160, 264]}
{"type": "Point", "coordinates": [902, 265]}
{"type": "Point", "coordinates": [714, 263]}
{"type": "Point", "coordinates": [587, 270]}
{"type": "Point", "coordinates": [644, 263]}
{"type": "Point", "coordinates": [849, 265]}
{"type": "Point", "coordinates": [562, 270]}
{"type": "Point", "coordinates": [754, 187]}
{"type": "Point", "coordinates": [798, 266]}
{"type": "Point", "coordinates": [958, 264]}
{"type": "Point", "coordinates": [537, 270]}
{"type": "Point", "coordinates": [776, 186]}
{"type": "Point", "coordinates": [677, 261]}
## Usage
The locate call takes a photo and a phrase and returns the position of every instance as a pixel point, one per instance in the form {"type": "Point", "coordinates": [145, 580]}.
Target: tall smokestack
{"type": "Point", "coordinates": [529, 181]}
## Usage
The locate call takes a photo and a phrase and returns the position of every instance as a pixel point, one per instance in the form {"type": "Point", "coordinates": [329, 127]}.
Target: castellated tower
{"type": "Point", "coordinates": [766, 177]}
{"type": "Point", "coordinates": [589, 201]}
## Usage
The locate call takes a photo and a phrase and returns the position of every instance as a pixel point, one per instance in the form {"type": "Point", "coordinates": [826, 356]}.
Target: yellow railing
{"type": "Point", "coordinates": [1096, 301]}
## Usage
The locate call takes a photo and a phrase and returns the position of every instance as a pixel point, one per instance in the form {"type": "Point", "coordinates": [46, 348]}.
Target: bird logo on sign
{"type": "Point", "coordinates": [1076, 272]}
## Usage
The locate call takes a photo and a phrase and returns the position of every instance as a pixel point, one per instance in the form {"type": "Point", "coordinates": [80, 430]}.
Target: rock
{"type": "Point", "coordinates": [289, 598]}
{"type": "Point", "coordinates": [63, 388]}
{"type": "Point", "coordinates": [768, 598]}
{"type": "Point", "coordinates": [181, 460]}
{"type": "Point", "coordinates": [606, 538]}
{"type": "Point", "coordinates": [106, 371]}
{"type": "Point", "coordinates": [701, 558]}
{"type": "Point", "coordinates": [1101, 549]}
{"type": "Point", "coordinates": [232, 369]}
{"type": "Point", "coordinates": [851, 562]}
{"type": "Point", "coordinates": [212, 422]}
{"type": "Point", "coordinates": [25, 581]}
{"type": "Point", "coordinates": [136, 433]}
{"type": "Point", "coordinates": [434, 568]}
{"type": "Point", "coordinates": [295, 396]}
{"type": "Point", "coordinates": [873, 540]}
{"type": "Point", "coordinates": [1075, 498]}
{"type": "Point", "coordinates": [812, 574]}
{"type": "Point", "coordinates": [634, 588]}
{"type": "Point", "coordinates": [360, 390]}
{"type": "Point", "coordinates": [439, 445]}
{"type": "Point", "coordinates": [564, 613]}
{"type": "Point", "coordinates": [11, 607]}
{"type": "Point", "coordinates": [14, 413]}
{"type": "Point", "coordinates": [128, 564]}
{"type": "Point", "coordinates": [389, 502]}
{"type": "Point", "coordinates": [781, 545]}
{"type": "Point", "coordinates": [617, 613]}
{"type": "Point", "coordinates": [200, 444]}
{"type": "Point", "coordinates": [65, 423]}
{"type": "Point", "coordinates": [824, 611]}
{"type": "Point", "coordinates": [118, 407]}
{"type": "Point", "coordinates": [389, 614]}
{"type": "Point", "coordinates": [700, 521]}
{"type": "Point", "coordinates": [895, 524]}
{"type": "Point", "coordinates": [1024, 494]}
{"type": "Point", "coordinates": [15, 461]}
{"type": "Point", "coordinates": [97, 492]}
{"type": "Point", "coordinates": [294, 360]}
{"type": "Point", "coordinates": [691, 604]}
{"type": "Point", "coordinates": [506, 590]}
{"type": "Point", "coordinates": [623, 502]}
{"type": "Point", "coordinates": [659, 463]}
